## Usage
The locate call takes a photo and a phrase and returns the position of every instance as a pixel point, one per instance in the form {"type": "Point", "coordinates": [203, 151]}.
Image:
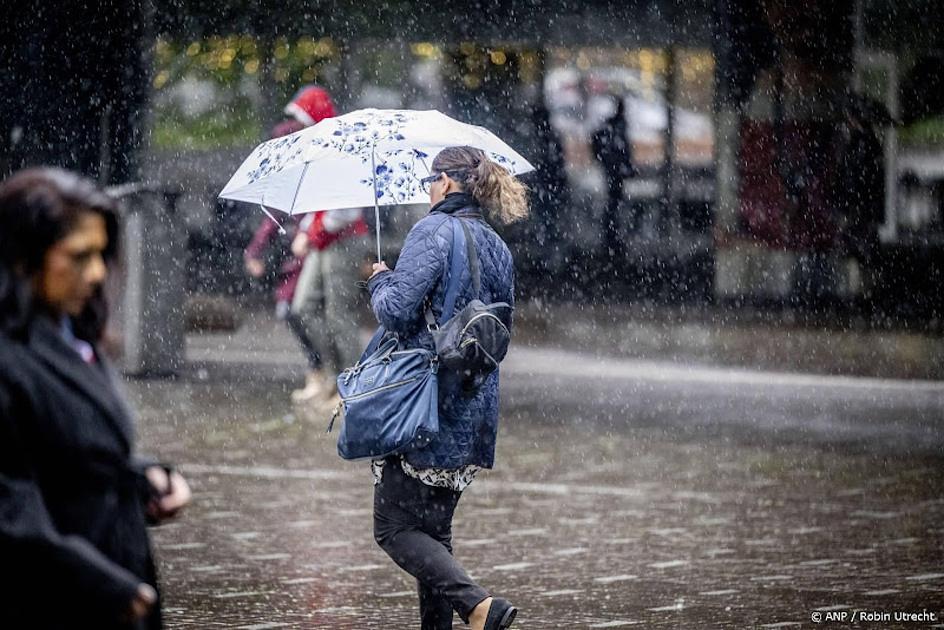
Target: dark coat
{"type": "Point", "coordinates": [612, 148]}
{"type": "Point", "coordinates": [73, 541]}
{"type": "Point", "coordinates": [468, 422]}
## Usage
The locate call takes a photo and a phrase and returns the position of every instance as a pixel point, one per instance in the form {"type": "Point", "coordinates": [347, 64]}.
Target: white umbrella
{"type": "Point", "coordinates": [368, 157]}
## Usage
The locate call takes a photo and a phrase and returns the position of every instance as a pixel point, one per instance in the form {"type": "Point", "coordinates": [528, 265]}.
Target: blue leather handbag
{"type": "Point", "coordinates": [389, 401]}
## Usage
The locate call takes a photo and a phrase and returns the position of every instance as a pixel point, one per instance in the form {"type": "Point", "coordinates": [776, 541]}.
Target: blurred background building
{"type": "Point", "coordinates": [784, 153]}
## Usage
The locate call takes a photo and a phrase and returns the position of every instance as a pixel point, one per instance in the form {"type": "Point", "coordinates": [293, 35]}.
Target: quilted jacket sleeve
{"type": "Point", "coordinates": [397, 296]}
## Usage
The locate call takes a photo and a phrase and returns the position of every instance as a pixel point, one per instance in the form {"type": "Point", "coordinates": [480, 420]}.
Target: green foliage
{"type": "Point", "coordinates": [924, 134]}
{"type": "Point", "coordinates": [212, 130]}
{"type": "Point", "coordinates": [239, 66]}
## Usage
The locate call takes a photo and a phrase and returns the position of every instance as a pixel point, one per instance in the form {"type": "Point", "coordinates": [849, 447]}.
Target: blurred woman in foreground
{"type": "Point", "coordinates": [74, 501]}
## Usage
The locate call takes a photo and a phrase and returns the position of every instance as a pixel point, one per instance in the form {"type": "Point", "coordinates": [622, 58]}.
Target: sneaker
{"type": "Point", "coordinates": [314, 388]}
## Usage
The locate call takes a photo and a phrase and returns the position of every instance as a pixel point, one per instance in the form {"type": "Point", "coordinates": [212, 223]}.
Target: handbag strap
{"type": "Point", "coordinates": [473, 257]}
{"type": "Point", "coordinates": [460, 233]}
{"type": "Point", "coordinates": [374, 342]}
{"type": "Point", "coordinates": [455, 273]}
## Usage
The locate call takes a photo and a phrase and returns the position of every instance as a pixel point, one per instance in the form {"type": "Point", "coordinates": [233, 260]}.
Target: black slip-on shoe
{"type": "Point", "coordinates": [501, 614]}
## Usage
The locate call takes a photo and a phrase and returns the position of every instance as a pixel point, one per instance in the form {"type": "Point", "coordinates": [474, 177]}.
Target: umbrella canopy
{"type": "Point", "coordinates": [368, 157]}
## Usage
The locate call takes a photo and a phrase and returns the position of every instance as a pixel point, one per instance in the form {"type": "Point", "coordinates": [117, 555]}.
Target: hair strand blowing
{"type": "Point", "coordinates": [499, 192]}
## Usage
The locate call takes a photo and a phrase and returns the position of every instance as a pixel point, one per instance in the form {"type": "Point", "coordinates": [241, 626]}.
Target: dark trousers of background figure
{"type": "Point", "coordinates": [327, 301]}
{"type": "Point", "coordinates": [611, 217]}
{"type": "Point", "coordinates": [413, 524]}
{"type": "Point", "coordinates": [297, 326]}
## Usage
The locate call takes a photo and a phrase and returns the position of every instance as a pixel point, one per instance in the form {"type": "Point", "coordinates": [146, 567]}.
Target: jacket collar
{"type": "Point", "coordinates": [97, 383]}
{"type": "Point", "coordinates": [458, 202]}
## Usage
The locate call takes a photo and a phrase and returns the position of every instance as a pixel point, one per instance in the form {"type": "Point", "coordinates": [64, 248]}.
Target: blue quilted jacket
{"type": "Point", "coordinates": [468, 421]}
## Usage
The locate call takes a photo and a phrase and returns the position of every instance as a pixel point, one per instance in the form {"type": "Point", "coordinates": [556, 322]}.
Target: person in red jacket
{"type": "Point", "coordinates": [335, 246]}
{"type": "Point", "coordinates": [267, 235]}
{"type": "Point", "coordinates": [310, 105]}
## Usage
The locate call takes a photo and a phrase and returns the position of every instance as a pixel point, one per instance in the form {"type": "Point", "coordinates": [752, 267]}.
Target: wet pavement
{"type": "Point", "coordinates": [626, 493]}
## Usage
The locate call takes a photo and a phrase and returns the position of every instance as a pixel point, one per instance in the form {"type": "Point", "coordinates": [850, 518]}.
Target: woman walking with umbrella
{"type": "Point", "coordinates": [415, 495]}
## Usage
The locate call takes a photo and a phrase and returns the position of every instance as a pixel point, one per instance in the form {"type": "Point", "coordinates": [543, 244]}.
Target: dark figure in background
{"type": "Point", "coordinates": [611, 147]}
{"type": "Point", "coordinates": [75, 86]}
{"type": "Point", "coordinates": [550, 191]}
{"type": "Point", "coordinates": [859, 182]}
{"type": "Point", "coordinates": [74, 501]}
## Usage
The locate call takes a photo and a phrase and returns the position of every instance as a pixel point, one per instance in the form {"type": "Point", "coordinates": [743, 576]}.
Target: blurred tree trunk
{"type": "Point", "coordinates": [350, 79]}
{"type": "Point", "coordinates": [74, 85]}
{"type": "Point", "coordinates": [268, 87]}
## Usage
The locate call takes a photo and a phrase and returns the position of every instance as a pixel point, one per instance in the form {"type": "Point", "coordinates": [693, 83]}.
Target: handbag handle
{"type": "Point", "coordinates": [384, 350]}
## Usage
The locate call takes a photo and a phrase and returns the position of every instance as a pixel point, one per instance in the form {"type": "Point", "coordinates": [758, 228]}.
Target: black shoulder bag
{"type": "Point", "coordinates": [474, 341]}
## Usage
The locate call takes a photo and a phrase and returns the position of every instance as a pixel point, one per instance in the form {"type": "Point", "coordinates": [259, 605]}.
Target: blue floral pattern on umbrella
{"type": "Point", "coordinates": [359, 137]}
{"type": "Point", "coordinates": [396, 177]}
{"type": "Point", "coordinates": [274, 156]}
{"type": "Point", "coordinates": [366, 156]}
{"type": "Point", "coordinates": [508, 163]}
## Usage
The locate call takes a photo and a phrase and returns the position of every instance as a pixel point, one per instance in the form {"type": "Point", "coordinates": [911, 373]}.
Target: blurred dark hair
{"type": "Point", "coordinates": [38, 208]}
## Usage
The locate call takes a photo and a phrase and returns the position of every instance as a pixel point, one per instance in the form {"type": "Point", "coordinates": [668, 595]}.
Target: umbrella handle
{"type": "Point", "coordinates": [377, 223]}
{"type": "Point", "coordinates": [373, 170]}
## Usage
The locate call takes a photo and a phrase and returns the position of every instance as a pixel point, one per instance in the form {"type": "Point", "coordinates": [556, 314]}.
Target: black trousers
{"type": "Point", "coordinates": [611, 213]}
{"type": "Point", "coordinates": [297, 326]}
{"type": "Point", "coordinates": [413, 524]}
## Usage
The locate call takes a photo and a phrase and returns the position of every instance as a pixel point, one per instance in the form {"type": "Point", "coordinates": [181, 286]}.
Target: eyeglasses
{"type": "Point", "coordinates": [426, 182]}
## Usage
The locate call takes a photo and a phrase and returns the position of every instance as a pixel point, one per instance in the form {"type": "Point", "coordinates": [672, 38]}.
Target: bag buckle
{"type": "Point", "coordinates": [351, 372]}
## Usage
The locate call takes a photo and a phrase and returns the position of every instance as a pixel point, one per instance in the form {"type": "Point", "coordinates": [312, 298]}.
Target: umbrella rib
{"type": "Point", "coordinates": [291, 210]}
{"type": "Point", "coordinates": [274, 220]}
